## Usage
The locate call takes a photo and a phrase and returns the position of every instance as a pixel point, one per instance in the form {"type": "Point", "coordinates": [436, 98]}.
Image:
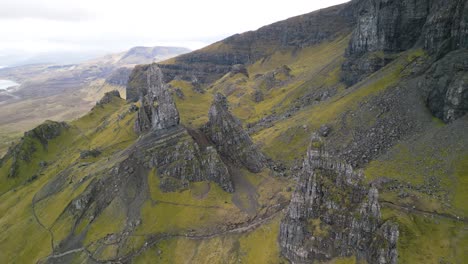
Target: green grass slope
{"type": "Point", "coordinates": [424, 171]}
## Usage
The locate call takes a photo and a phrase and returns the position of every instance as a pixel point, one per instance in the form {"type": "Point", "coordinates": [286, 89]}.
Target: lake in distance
{"type": "Point", "coordinates": [5, 84]}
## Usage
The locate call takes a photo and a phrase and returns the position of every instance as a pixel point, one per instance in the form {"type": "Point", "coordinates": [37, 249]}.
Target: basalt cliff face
{"type": "Point", "coordinates": [385, 28]}
{"type": "Point", "coordinates": [333, 214]}
{"type": "Point", "coordinates": [210, 63]}
{"type": "Point", "coordinates": [204, 160]}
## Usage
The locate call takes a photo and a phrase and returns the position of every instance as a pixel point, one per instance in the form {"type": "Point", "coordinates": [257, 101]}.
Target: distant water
{"type": "Point", "coordinates": [5, 84]}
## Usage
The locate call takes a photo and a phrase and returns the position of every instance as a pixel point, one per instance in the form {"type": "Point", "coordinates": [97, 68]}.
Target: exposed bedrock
{"type": "Point", "coordinates": [333, 214]}
{"type": "Point", "coordinates": [230, 139]}
{"type": "Point", "coordinates": [392, 26]}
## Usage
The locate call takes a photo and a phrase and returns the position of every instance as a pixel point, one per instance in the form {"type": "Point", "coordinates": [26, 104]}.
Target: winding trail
{"type": "Point", "coordinates": [33, 205]}
{"type": "Point", "coordinates": [156, 238]}
{"type": "Point", "coordinates": [423, 212]}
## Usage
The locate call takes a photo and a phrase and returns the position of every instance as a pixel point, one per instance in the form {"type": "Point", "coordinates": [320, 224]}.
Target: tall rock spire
{"type": "Point", "coordinates": [230, 138]}
{"type": "Point", "coordinates": [158, 110]}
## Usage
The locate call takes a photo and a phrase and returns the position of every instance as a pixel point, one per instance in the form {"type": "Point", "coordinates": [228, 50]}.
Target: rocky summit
{"type": "Point", "coordinates": [335, 137]}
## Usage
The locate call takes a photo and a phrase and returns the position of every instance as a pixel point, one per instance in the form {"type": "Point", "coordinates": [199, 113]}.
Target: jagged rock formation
{"type": "Point", "coordinates": [231, 140]}
{"type": "Point", "coordinates": [388, 27]}
{"type": "Point", "coordinates": [395, 26]}
{"type": "Point", "coordinates": [25, 149]}
{"type": "Point", "coordinates": [332, 214]}
{"type": "Point", "coordinates": [164, 112]}
{"type": "Point", "coordinates": [179, 159]}
{"type": "Point", "coordinates": [446, 27]}
{"type": "Point", "coordinates": [446, 85]}
{"type": "Point", "coordinates": [158, 110]}
{"type": "Point", "coordinates": [182, 156]}
{"type": "Point", "coordinates": [136, 86]}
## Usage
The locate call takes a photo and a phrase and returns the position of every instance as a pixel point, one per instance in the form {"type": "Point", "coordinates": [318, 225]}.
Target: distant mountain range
{"type": "Point", "coordinates": [338, 136]}
{"type": "Point", "coordinates": [15, 58]}
{"type": "Point", "coordinates": [64, 92]}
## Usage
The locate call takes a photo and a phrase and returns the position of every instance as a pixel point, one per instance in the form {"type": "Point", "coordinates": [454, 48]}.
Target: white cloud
{"type": "Point", "coordinates": [43, 9]}
{"type": "Point", "coordinates": [114, 25]}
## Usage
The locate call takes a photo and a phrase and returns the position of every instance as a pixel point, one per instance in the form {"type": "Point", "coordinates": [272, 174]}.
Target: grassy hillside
{"type": "Point", "coordinates": [381, 125]}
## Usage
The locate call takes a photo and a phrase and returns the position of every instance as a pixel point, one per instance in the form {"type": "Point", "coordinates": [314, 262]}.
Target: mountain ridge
{"type": "Point", "coordinates": [282, 159]}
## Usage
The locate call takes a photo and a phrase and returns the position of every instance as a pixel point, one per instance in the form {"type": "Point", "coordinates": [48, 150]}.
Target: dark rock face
{"type": "Point", "coordinates": [158, 110]}
{"type": "Point", "coordinates": [446, 26]}
{"type": "Point", "coordinates": [137, 83]}
{"type": "Point", "coordinates": [143, 120]}
{"type": "Point", "coordinates": [385, 26]}
{"type": "Point", "coordinates": [446, 86]}
{"type": "Point", "coordinates": [231, 140]}
{"type": "Point", "coordinates": [25, 149]}
{"type": "Point", "coordinates": [179, 159]}
{"type": "Point", "coordinates": [356, 68]}
{"type": "Point", "coordinates": [391, 26]}
{"type": "Point", "coordinates": [164, 111]}
{"type": "Point", "coordinates": [388, 25]}
{"type": "Point", "coordinates": [332, 214]}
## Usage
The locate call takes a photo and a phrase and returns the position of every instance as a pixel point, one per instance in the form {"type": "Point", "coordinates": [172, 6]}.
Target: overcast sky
{"type": "Point", "coordinates": [35, 26]}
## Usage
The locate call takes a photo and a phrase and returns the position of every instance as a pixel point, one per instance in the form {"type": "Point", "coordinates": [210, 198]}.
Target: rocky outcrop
{"type": "Point", "coordinates": [164, 112]}
{"type": "Point", "coordinates": [179, 160]}
{"type": "Point", "coordinates": [390, 26]}
{"type": "Point", "coordinates": [383, 27]}
{"type": "Point", "coordinates": [143, 119]}
{"type": "Point", "coordinates": [158, 110]}
{"type": "Point", "coordinates": [239, 69]}
{"type": "Point", "coordinates": [358, 67]}
{"type": "Point", "coordinates": [107, 98]}
{"type": "Point", "coordinates": [446, 86]}
{"type": "Point", "coordinates": [230, 139]}
{"type": "Point", "coordinates": [137, 86]}
{"type": "Point", "coordinates": [446, 27]}
{"type": "Point", "coordinates": [276, 78]}
{"type": "Point", "coordinates": [333, 214]}
{"type": "Point", "coordinates": [181, 156]}
{"type": "Point", "coordinates": [38, 137]}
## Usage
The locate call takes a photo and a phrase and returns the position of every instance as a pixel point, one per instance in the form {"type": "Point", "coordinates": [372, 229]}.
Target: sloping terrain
{"type": "Point", "coordinates": [338, 136]}
{"type": "Point", "coordinates": [65, 92]}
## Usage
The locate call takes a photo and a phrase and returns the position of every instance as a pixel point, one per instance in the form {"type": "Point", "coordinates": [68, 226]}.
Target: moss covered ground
{"type": "Point", "coordinates": [435, 169]}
